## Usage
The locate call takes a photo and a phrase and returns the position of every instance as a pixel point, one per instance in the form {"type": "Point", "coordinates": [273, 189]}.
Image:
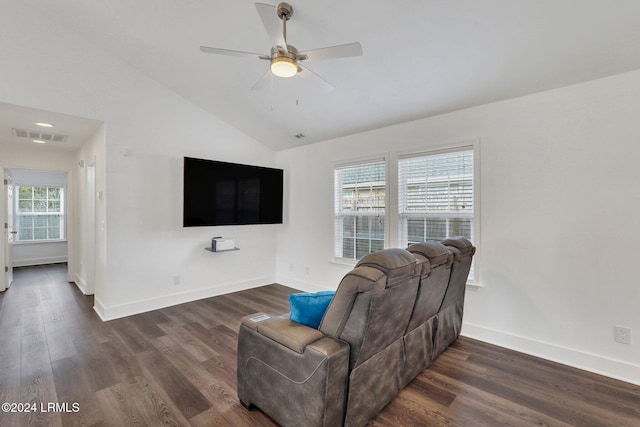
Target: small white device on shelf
{"type": "Point", "coordinates": [218, 244]}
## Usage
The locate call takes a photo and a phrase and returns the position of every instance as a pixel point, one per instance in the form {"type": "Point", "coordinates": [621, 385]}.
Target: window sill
{"type": "Point", "coordinates": [344, 262]}
{"type": "Point", "coordinates": [38, 242]}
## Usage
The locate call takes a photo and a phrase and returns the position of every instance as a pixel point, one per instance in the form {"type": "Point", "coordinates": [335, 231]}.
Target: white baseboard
{"type": "Point", "coordinates": [38, 261]}
{"type": "Point", "coordinates": [598, 364]}
{"type": "Point", "coordinates": [82, 285]}
{"type": "Point", "coordinates": [122, 310]}
{"type": "Point", "coordinates": [98, 307]}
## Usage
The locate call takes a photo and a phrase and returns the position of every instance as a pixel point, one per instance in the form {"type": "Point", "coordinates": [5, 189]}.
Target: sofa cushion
{"type": "Point", "coordinates": [308, 308]}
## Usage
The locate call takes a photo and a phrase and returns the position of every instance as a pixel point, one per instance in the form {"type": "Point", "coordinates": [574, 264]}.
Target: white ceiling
{"type": "Point", "coordinates": [421, 57]}
{"type": "Point", "coordinates": [76, 129]}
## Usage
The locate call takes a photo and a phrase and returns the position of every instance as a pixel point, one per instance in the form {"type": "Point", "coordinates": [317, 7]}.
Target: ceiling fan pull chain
{"type": "Point", "coordinates": [273, 94]}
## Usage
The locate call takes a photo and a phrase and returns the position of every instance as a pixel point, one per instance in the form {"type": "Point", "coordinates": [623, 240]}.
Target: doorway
{"type": "Point", "coordinates": [37, 218]}
{"type": "Point", "coordinates": [60, 146]}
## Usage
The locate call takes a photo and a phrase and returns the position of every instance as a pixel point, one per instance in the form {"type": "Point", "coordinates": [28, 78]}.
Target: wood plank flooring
{"type": "Point", "coordinates": [176, 367]}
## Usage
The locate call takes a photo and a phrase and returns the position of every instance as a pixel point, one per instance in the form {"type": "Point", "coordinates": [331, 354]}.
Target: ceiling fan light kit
{"type": "Point", "coordinates": [284, 64]}
{"type": "Point", "coordinates": [285, 60]}
{"type": "Point", "coordinates": [284, 67]}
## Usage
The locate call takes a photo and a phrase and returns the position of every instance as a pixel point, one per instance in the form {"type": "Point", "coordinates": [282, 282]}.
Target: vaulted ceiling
{"type": "Point", "coordinates": [420, 57]}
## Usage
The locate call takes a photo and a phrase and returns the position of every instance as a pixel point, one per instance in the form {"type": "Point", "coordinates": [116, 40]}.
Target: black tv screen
{"type": "Point", "coordinates": [220, 193]}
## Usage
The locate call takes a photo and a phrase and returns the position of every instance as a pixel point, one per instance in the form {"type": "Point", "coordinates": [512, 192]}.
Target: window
{"type": "Point", "coordinates": [435, 196]}
{"type": "Point", "coordinates": [39, 213]}
{"type": "Point", "coordinates": [360, 204]}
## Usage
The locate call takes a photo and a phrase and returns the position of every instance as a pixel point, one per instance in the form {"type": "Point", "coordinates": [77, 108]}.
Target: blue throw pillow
{"type": "Point", "coordinates": [308, 308]}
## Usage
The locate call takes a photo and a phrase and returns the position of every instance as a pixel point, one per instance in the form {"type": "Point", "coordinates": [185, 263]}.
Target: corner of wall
{"type": "Point", "coordinates": [82, 285]}
{"type": "Point", "coordinates": [99, 308]}
{"type": "Point", "coordinates": [299, 284]}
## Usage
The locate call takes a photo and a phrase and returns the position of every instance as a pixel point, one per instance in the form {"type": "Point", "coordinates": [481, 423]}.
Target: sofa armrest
{"type": "Point", "coordinates": [288, 333]}
{"type": "Point", "coordinates": [293, 373]}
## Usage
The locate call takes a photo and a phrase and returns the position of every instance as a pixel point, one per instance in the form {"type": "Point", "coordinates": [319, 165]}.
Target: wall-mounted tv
{"type": "Point", "coordinates": [220, 193]}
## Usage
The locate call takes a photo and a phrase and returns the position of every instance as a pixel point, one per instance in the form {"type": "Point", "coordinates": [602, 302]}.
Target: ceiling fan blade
{"type": "Point", "coordinates": [262, 81]}
{"type": "Point", "coordinates": [306, 73]}
{"type": "Point", "coordinates": [272, 24]}
{"type": "Point", "coordinates": [215, 50]}
{"type": "Point", "coordinates": [332, 52]}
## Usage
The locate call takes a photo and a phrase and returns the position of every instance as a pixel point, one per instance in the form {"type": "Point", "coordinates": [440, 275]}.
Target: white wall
{"type": "Point", "coordinates": [148, 130]}
{"type": "Point", "coordinates": [559, 175]}
{"type": "Point", "coordinates": [25, 254]}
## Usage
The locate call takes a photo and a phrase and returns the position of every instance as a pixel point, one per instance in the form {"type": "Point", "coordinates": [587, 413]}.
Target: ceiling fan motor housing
{"type": "Point", "coordinates": [285, 11]}
{"type": "Point", "coordinates": [278, 52]}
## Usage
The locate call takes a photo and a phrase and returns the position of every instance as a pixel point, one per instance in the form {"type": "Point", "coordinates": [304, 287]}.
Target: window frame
{"type": "Point", "coordinates": [337, 234]}
{"type": "Point", "coordinates": [62, 214]}
{"type": "Point", "coordinates": [392, 218]}
{"type": "Point", "coordinates": [472, 145]}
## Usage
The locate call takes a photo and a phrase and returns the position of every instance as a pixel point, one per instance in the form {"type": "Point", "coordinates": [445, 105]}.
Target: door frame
{"type": "Point", "coordinates": [6, 278]}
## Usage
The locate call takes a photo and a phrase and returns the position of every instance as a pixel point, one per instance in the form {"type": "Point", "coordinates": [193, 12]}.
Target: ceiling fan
{"type": "Point", "coordinates": [285, 60]}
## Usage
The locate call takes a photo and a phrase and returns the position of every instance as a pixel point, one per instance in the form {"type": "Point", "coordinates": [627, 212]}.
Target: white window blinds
{"type": "Point", "coordinates": [359, 206]}
{"type": "Point", "coordinates": [435, 196]}
{"type": "Point", "coordinates": [39, 213]}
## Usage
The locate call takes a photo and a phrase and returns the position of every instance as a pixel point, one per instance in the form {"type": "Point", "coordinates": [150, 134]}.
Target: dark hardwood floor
{"type": "Point", "coordinates": [176, 366]}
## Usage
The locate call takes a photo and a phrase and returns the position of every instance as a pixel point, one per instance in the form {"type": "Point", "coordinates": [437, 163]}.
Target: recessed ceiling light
{"type": "Point", "coordinates": [44, 125]}
{"type": "Point", "coordinates": [39, 141]}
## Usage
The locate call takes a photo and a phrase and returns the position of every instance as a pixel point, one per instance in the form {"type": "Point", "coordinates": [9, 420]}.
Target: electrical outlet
{"type": "Point", "coordinates": [623, 335]}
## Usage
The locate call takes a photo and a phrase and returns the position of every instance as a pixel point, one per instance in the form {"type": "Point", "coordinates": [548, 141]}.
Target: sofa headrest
{"type": "Point", "coordinates": [397, 264]}
{"type": "Point", "coordinates": [435, 252]}
{"type": "Point", "coordinates": [463, 245]}
{"type": "Point", "coordinates": [424, 266]}
{"type": "Point", "coordinates": [360, 279]}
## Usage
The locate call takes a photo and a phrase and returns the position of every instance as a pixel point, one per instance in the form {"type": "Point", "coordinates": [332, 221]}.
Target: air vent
{"type": "Point", "coordinates": [43, 136]}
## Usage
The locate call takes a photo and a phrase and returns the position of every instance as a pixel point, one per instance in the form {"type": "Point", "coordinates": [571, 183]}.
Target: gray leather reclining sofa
{"type": "Point", "coordinates": [390, 317]}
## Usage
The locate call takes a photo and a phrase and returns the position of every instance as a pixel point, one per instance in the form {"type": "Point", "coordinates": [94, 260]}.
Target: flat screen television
{"type": "Point", "coordinates": [220, 193]}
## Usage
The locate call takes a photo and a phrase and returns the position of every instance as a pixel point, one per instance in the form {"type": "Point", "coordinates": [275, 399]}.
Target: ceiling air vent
{"type": "Point", "coordinates": [43, 136]}
{"type": "Point", "coordinates": [20, 133]}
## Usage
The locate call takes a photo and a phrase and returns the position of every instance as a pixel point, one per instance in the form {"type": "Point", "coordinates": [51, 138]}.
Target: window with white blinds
{"type": "Point", "coordinates": [39, 213]}
{"type": "Point", "coordinates": [435, 196]}
{"type": "Point", "coordinates": [360, 206]}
